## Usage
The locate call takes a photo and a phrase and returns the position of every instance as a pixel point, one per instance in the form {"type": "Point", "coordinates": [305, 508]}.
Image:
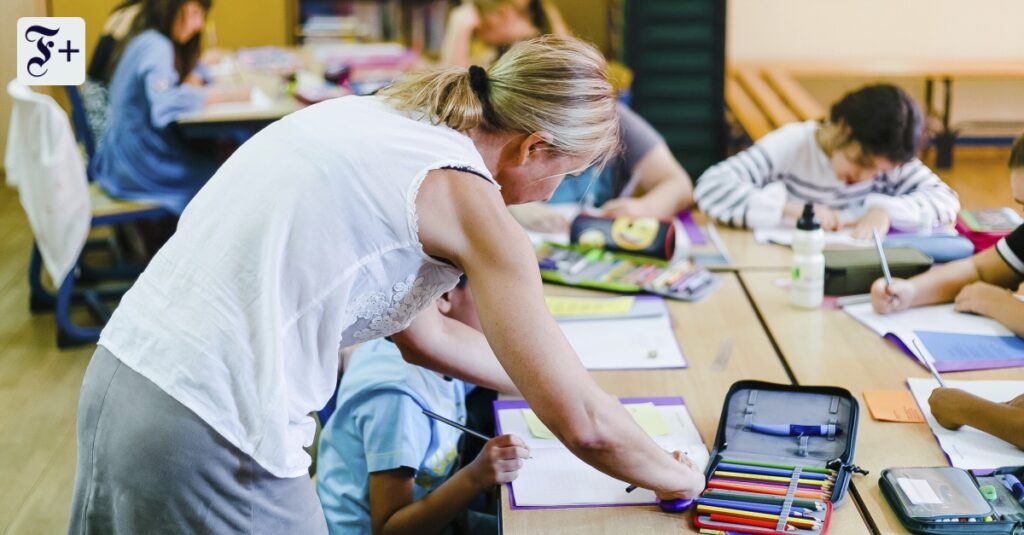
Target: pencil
{"type": "Point", "coordinates": [777, 479]}
{"type": "Point", "coordinates": [781, 466]}
{"type": "Point", "coordinates": [761, 516]}
{"type": "Point", "coordinates": [928, 362]}
{"type": "Point", "coordinates": [729, 519]}
{"type": "Point", "coordinates": [778, 491]}
{"type": "Point", "coordinates": [456, 425]}
{"type": "Point", "coordinates": [771, 471]}
{"type": "Point", "coordinates": [881, 258]}
{"type": "Point", "coordinates": [754, 497]}
{"type": "Point", "coordinates": [754, 507]}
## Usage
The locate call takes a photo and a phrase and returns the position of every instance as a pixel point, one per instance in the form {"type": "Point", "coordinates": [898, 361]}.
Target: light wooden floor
{"type": "Point", "coordinates": [39, 384]}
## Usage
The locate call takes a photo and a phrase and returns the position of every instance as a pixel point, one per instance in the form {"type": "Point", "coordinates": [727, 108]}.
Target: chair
{"type": "Point", "coordinates": [80, 120]}
{"type": "Point", "coordinates": [45, 165]}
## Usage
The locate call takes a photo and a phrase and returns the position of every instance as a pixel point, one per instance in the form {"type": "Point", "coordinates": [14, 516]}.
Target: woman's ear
{"type": "Point", "coordinates": [531, 144]}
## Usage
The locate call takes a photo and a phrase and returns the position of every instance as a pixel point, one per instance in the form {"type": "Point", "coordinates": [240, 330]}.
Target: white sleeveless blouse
{"type": "Point", "coordinates": [306, 238]}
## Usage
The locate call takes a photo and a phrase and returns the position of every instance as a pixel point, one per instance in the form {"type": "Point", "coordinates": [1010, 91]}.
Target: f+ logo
{"type": "Point", "coordinates": [50, 51]}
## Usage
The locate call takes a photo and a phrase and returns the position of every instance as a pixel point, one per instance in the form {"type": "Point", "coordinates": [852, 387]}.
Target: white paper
{"type": "Point", "coordinates": [970, 448]}
{"type": "Point", "coordinates": [918, 491]}
{"type": "Point", "coordinates": [258, 101]}
{"type": "Point", "coordinates": [625, 344]}
{"type": "Point", "coordinates": [554, 477]}
{"type": "Point", "coordinates": [784, 236]}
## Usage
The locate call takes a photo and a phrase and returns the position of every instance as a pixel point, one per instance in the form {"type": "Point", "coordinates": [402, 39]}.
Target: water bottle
{"type": "Point", "coordinates": [807, 288]}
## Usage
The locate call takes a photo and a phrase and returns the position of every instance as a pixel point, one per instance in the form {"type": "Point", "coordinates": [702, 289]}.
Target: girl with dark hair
{"type": "Point", "coordinates": [150, 87]}
{"type": "Point", "coordinates": [495, 25]}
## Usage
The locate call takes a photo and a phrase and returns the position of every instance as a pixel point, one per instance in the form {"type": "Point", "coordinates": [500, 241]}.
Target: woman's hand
{"type": "Point", "coordinates": [690, 488]}
{"type": "Point", "coordinates": [499, 462]}
{"type": "Point", "coordinates": [887, 298]}
{"type": "Point", "coordinates": [982, 298]}
{"type": "Point", "coordinates": [874, 219]}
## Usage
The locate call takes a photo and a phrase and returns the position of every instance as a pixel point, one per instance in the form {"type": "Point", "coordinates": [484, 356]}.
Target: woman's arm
{"type": "Point", "coordinates": [463, 219]}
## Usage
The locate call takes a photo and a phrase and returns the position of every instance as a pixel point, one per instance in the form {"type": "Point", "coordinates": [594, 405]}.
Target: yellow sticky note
{"type": "Point", "coordinates": [645, 414]}
{"type": "Point", "coordinates": [584, 306]}
{"type": "Point", "coordinates": [648, 417]}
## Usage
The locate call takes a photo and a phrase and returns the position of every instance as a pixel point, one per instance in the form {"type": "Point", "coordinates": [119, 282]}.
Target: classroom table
{"type": "Point", "coordinates": [743, 252]}
{"type": "Point", "coordinates": [828, 347]}
{"type": "Point", "coordinates": [723, 343]}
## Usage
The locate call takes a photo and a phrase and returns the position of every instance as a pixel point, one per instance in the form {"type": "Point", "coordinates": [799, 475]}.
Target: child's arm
{"type": "Point", "coordinates": [663, 189]}
{"type": "Point", "coordinates": [737, 191]}
{"type": "Point", "coordinates": [393, 511]}
{"type": "Point", "coordinates": [954, 408]}
{"type": "Point", "coordinates": [455, 47]}
{"type": "Point", "coordinates": [912, 195]}
{"type": "Point", "coordinates": [993, 302]}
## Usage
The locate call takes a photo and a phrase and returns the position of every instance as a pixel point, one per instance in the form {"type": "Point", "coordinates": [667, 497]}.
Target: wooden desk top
{"type": "Point", "coordinates": [902, 68]}
{"type": "Point", "coordinates": [831, 348]}
{"type": "Point", "coordinates": [701, 329]}
{"type": "Point", "coordinates": [742, 250]}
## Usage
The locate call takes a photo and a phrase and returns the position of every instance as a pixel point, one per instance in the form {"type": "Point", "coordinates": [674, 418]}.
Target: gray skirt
{"type": "Point", "coordinates": [147, 464]}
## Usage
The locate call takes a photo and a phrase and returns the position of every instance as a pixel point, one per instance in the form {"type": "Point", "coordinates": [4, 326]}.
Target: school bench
{"type": "Point", "coordinates": [763, 99]}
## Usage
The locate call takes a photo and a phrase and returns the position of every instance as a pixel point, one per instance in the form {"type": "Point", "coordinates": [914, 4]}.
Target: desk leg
{"type": "Point", "coordinates": [945, 139]}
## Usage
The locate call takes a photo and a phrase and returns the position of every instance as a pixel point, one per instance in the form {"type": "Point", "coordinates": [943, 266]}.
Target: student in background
{"type": "Point", "coordinates": [858, 168]}
{"type": "Point", "coordinates": [394, 474]}
{"type": "Point", "coordinates": [643, 180]}
{"type": "Point", "coordinates": [141, 157]}
{"type": "Point", "coordinates": [983, 285]}
{"type": "Point", "coordinates": [95, 90]}
{"type": "Point", "coordinates": [493, 26]}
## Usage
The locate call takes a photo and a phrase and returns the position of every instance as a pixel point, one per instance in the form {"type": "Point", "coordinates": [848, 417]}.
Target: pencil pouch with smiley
{"type": "Point", "coordinates": [644, 236]}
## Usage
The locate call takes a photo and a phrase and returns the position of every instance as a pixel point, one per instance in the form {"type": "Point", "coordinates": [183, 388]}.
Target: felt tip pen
{"type": "Point", "coordinates": [1014, 485]}
{"type": "Point", "coordinates": [794, 430]}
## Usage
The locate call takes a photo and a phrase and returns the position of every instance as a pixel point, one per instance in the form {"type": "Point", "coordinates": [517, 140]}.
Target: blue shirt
{"type": "Point", "coordinates": [379, 425]}
{"type": "Point", "coordinates": [140, 157]}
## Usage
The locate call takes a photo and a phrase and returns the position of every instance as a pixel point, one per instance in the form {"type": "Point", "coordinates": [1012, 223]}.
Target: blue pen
{"type": "Point", "coordinates": [1014, 485]}
{"type": "Point", "coordinates": [794, 430]}
{"type": "Point", "coordinates": [729, 467]}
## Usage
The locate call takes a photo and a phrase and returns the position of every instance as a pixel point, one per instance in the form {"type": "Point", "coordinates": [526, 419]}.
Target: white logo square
{"type": "Point", "coordinates": [51, 50]}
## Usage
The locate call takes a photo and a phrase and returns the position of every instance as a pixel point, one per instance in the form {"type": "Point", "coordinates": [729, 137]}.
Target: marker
{"type": "Point", "coordinates": [794, 430]}
{"type": "Point", "coordinates": [1014, 485]}
{"type": "Point", "coordinates": [884, 262]}
{"type": "Point", "coordinates": [927, 362]}
{"type": "Point", "coordinates": [456, 425]}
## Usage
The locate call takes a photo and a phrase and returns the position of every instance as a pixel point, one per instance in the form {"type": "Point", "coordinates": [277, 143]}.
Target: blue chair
{"type": "Point", "coordinates": [80, 121]}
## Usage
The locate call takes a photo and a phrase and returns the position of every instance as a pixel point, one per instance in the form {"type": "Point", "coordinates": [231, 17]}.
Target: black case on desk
{"type": "Point", "coordinates": [851, 271]}
{"type": "Point", "coordinates": [1007, 513]}
{"type": "Point", "coordinates": [770, 403]}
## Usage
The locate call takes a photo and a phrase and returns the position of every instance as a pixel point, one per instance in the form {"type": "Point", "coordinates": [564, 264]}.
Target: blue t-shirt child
{"type": "Point", "coordinates": [379, 425]}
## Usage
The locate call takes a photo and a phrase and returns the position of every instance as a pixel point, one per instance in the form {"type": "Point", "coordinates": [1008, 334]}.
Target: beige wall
{"type": "Point", "coordinates": [13, 10]}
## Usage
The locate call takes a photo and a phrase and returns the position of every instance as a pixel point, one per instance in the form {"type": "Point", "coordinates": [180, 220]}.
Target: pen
{"type": "Point", "coordinates": [882, 260]}
{"type": "Point", "coordinates": [927, 362]}
{"type": "Point", "coordinates": [794, 430]}
{"type": "Point", "coordinates": [456, 425]}
{"type": "Point", "coordinates": [1014, 485]}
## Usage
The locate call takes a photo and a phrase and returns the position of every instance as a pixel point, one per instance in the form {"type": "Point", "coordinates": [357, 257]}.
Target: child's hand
{"type": "Point", "coordinates": [875, 218]}
{"type": "Point", "coordinates": [626, 207]}
{"type": "Point", "coordinates": [539, 218]}
{"type": "Point", "coordinates": [692, 487]}
{"type": "Point", "coordinates": [828, 217]}
{"type": "Point", "coordinates": [464, 19]}
{"type": "Point", "coordinates": [887, 298]}
{"type": "Point", "coordinates": [944, 403]}
{"type": "Point", "coordinates": [499, 462]}
{"type": "Point", "coordinates": [982, 298]}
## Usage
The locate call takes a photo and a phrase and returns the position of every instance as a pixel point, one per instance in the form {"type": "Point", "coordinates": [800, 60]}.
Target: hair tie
{"type": "Point", "coordinates": [478, 81]}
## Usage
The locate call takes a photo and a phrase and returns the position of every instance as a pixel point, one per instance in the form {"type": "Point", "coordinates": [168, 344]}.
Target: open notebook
{"type": "Point", "coordinates": [641, 338]}
{"type": "Point", "coordinates": [955, 341]}
{"type": "Point", "coordinates": [969, 448]}
{"type": "Point", "coordinates": [555, 478]}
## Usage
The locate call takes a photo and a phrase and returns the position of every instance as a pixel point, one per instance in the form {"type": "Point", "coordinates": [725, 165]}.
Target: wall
{"type": "Point", "coordinates": [13, 10]}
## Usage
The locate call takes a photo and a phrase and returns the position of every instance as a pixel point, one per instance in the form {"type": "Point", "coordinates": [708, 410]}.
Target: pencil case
{"type": "Point", "coordinates": [851, 271]}
{"type": "Point", "coordinates": [573, 265]}
{"type": "Point", "coordinates": [644, 236]}
{"type": "Point", "coordinates": [782, 459]}
{"type": "Point", "coordinates": [949, 500]}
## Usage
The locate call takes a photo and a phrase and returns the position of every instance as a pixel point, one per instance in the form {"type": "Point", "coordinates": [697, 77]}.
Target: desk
{"type": "Point", "coordinates": [701, 328]}
{"type": "Point", "coordinates": [831, 348]}
{"type": "Point", "coordinates": [743, 252]}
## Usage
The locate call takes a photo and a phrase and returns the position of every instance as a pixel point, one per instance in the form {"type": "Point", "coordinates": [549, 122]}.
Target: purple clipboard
{"type": "Point", "coordinates": [692, 229]}
{"type": "Point", "coordinates": [507, 404]}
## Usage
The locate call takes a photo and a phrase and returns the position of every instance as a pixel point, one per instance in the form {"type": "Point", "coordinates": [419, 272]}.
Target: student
{"type": "Point", "coordinates": [858, 168]}
{"type": "Point", "coordinates": [394, 474]}
{"type": "Point", "coordinates": [316, 235]}
{"type": "Point", "coordinates": [643, 180]}
{"type": "Point", "coordinates": [983, 285]}
{"type": "Point", "coordinates": [495, 25]}
{"type": "Point", "coordinates": [95, 91]}
{"type": "Point", "coordinates": [141, 157]}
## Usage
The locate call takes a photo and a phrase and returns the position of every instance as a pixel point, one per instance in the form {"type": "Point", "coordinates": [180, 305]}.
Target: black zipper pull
{"type": "Point", "coordinates": [837, 464]}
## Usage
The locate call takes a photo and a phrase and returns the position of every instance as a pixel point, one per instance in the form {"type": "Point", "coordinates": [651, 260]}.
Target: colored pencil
{"type": "Point", "coordinates": [778, 479]}
{"type": "Point", "coordinates": [772, 485]}
{"type": "Point", "coordinates": [798, 512]}
{"type": "Point", "coordinates": [755, 497]}
{"type": "Point", "coordinates": [770, 471]}
{"type": "Point", "coordinates": [778, 491]}
{"type": "Point", "coordinates": [729, 519]}
{"type": "Point", "coordinates": [760, 516]}
{"type": "Point", "coordinates": [780, 466]}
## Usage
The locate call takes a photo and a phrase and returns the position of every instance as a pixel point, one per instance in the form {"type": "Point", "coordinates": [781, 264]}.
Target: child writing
{"type": "Point", "coordinates": [983, 285]}
{"type": "Point", "coordinates": [858, 168]}
{"type": "Point", "coordinates": [153, 84]}
{"type": "Point", "coordinates": [385, 467]}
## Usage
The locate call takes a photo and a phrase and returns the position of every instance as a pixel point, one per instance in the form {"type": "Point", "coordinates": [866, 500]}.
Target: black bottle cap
{"type": "Point", "coordinates": [807, 220]}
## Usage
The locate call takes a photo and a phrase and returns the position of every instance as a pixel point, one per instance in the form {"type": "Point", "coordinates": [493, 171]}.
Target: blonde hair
{"type": "Point", "coordinates": [552, 84]}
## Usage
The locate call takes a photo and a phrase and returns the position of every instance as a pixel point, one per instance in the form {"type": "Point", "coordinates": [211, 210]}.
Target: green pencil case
{"type": "Point", "coordinates": [851, 271]}
{"type": "Point", "coordinates": [948, 500]}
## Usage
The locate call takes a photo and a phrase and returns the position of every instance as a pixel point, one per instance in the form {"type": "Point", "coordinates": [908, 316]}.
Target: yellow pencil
{"type": "Point", "coordinates": [778, 479]}
{"type": "Point", "coordinates": [763, 516]}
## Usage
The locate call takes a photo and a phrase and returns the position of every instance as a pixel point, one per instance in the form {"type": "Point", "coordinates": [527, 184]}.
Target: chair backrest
{"type": "Point", "coordinates": [83, 131]}
{"type": "Point", "coordinates": [43, 161]}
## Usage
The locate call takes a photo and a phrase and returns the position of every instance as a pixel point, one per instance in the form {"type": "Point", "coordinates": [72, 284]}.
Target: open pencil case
{"type": "Point", "coordinates": [949, 500]}
{"type": "Point", "coordinates": [782, 459]}
{"type": "Point", "coordinates": [575, 265]}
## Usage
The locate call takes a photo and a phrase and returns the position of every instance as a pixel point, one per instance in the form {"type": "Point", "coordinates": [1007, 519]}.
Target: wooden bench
{"type": "Point", "coordinates": [763, 99]}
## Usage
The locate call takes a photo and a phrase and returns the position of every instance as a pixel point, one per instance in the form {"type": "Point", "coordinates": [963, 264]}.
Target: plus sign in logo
{"type": "Point", "coordinates": [51, 50]}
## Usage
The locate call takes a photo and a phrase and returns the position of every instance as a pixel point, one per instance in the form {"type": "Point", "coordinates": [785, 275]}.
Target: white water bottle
{"type": "Point", "coordinates": [807, 288]}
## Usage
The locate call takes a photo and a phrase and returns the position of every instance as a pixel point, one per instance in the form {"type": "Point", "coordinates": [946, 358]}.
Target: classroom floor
{"type": "Point", "coordinates": [39, 384]}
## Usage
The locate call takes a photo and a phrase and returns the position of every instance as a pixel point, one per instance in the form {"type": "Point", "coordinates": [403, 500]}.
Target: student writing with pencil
{"type": "Point", "coordinates": [982, 284]}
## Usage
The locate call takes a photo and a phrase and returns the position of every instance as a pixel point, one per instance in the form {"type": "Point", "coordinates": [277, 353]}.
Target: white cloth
{"type": "Point", "coordinates": [305, 238]}
{"type": "Point", "coordinates": [44, 164]}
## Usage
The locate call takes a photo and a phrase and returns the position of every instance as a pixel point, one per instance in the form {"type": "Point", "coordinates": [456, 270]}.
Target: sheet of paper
{"type": "Point", "coordinates": [588, 306]}
{"type": "Point", "coordinates": [967, 447]}
{"type": "Point", "coordinates": [542, 480]}
{"type": "Point", "coordinates": [919, 491]}
{"type": "Point", "coordinates": [258, 100]}
{"type": "Point", "coordinates": [784, 236]}
{"type": "Point", "coordinates": [893, 406]}
{"type": "Point", "coordinates": [640, 342]}
{"type": "Point", "coordinates": [645, 414]}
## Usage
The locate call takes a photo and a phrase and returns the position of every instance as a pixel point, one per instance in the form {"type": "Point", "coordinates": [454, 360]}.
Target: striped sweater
{"type": "Point", "coordinates": [751, 188]}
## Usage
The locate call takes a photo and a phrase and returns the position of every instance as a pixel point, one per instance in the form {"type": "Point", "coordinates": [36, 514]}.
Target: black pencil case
{"type": "Point", "coordinates": [644, 236]}
{"type": "Point", "coordinates": [756, 404]}
{"type": "Point", "coordinates": [948, 500]}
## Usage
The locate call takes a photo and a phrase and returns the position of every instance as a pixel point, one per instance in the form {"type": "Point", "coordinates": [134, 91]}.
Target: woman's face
{"type": "Point", "coordinates": [536, 177]}
{"type": "Point", "coordinates": [505, 25]}
{"type": "Point", "coordinates": [189, 22]}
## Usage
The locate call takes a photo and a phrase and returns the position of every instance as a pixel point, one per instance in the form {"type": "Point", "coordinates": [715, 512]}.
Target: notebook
{"type": "Point", "coordinates": [542, 482]}
{"type": "Point", "coordinates": [969, 448]}
{"type": "Point", "coordinates": [956, 341]}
